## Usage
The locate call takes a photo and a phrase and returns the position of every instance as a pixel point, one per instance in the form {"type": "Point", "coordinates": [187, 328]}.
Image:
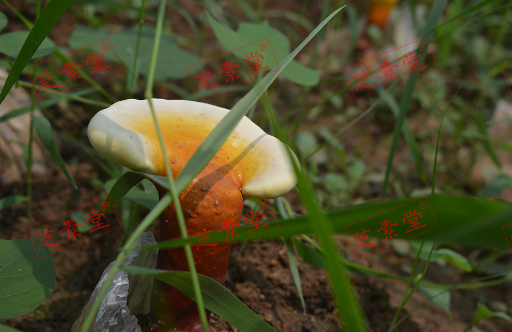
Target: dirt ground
{"type": "Point", "coordinates": [259, 276]}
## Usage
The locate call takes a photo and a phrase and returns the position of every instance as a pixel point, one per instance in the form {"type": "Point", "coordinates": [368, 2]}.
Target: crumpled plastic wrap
{"type": "Point", "coordinates": [126, 296]}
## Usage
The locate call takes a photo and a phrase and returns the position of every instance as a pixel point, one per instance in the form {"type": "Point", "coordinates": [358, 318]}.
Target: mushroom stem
{"type": "Point", "coordinates": [171, 310]}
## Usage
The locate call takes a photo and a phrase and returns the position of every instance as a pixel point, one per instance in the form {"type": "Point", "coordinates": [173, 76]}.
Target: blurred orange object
{"type": "Point", "coordinates": [380, 10]}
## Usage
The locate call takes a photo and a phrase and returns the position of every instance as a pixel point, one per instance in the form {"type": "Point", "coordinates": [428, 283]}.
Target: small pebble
{"type": "Point", "coordinates": [203, 189]}
{"type": "Point", "coordinates": [209, 187]}
{"type": "Point", "coordinates": [216, 202]}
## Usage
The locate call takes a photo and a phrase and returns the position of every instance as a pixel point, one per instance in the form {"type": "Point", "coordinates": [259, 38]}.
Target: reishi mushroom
{"type": "Point", "coordinates": [380, 11]}
{"type": "Point", "coordinates": [249, 164]}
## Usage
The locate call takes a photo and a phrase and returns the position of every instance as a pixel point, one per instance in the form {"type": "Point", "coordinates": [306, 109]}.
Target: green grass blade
{"type": "Point", "coordinates": [134, 69]}
{"type": "Point", "coordinates": [287, 214]}
{"type": "Point", "coordinates": [461, 220]}
{"type": "Point", "coordinates": [349, 310]}
{"type": "Point", "coordinates": [11, 200]}
{"type": "Point", "coordinates": [216, 298]}
{"type": "Point", "coordinates": [44, 131]}
{"type": "Point", "coordinates": [124, 184]}
{"type": "Point", "coordinates": [464, 13]}
{"type": "Point", "coordinates": [172, 189]}
{"type": "Point", "coordinates": [47, 103]}
{"type": "Point", "coordinates": [409, 137]}
{"type": "Point", "coordinates": [435, 14]}
{"type": "Point", "coordinates": [295, 270]}
{"type": "Point", "coordinates": [437, 144]}
{"type": "Point", "coordinates": [212, 144]}
{"type": "Point", "coordinates": [404, 300]}
{"type": "Point", "coordinates": [49, 17]}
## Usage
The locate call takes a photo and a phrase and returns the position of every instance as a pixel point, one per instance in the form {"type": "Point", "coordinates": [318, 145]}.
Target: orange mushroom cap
{"type": "Point", "coordinates": [125, 134]}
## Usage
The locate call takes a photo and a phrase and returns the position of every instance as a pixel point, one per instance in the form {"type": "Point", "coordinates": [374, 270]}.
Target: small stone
{"type": "Point", "coordinates": [209, 187]}
{"type": "Point", "coordinates": [216, 202]}
{"type": "Point", "coordinates": [203, 189]}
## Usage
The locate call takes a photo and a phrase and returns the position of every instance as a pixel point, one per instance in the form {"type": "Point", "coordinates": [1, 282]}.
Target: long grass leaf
{"type": "Point", "coordinates": [44, 24]}
{"type": "Point", "coordinates": [216, 298]}
{"type": "Point", "coordinates": [214, 141]}
{"type": "Point", "coordinates": [295, 270]}
{"type": "Point", "coordinates": [349, 310]}
{"type": "Point", "coordinates": [433, 17]}
{"type": "Point", "coordinates": [409, 137]}
{"type": "Point", "coordinates": [47, 103]}
{"type": "Point", "coordinates": [44, 131]}
{"type": "Point", "coordinates": [437, 144]}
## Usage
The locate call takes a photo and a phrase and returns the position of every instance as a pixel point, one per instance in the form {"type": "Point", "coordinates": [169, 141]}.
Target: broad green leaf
{"type": "Point", "coordinates": [309, 254]}
{"type": "Point", "coordinates": [80, 219]}
{"type": "Point", "coordinates": [442, 300]}
{"type": "Point", "coordinates": [482, 313]}
{"type": "Point", "coordinates": [26, 280]}
{"type": "Point", "coordinates": [44, 131]}
{"type": "Point", "coordinates": [5, 328]}
{"type": "Point", "coordinates": [447, 255]}
{"type": "Point", "coordinates": [455, 258]}
{"type": "Point", "coordinates": [50, 15]}
{"type": "Point", "coordinates": [11, 200]}
{"type": "Point", "coordinates": [3, 21]}
{"type": "Point", "coordinates": [306, 142]}
{"type": "Point", "coordinates": [497, 185]}
{"type": "Point", "coordinates": [11, 43]}
{"type": "Point", "coordinates": [170, 64]}
{"type": "Point", "coordinates": [251, 32]}
{"type": "Point", "coordinates": [148, 198]}
{"type": "Point", "coordinates": [217, 298]}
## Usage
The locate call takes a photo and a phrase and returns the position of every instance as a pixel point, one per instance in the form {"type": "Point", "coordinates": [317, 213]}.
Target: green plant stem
{"type": "Point", "coordinates": [29, 159]}
{"type": "Point", "coordinates": [173, 191]}
{"type": "Point", "coordinates": [297, 23]}
{"type": "Point", "coordinates": [406, 298]}
{"type": "Point", "coordinates": [437, 144]}
{"type": "Point", "coordinates": [133, 71]}
{"type": "Point", "coordinates": [20, 15]}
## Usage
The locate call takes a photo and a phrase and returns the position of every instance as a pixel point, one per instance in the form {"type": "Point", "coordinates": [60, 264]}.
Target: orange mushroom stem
{"type": "Point", "coordinates": [249, 164]}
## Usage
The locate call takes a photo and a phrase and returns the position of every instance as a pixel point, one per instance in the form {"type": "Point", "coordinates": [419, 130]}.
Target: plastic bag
{"type": "Point", "coordinates": [126, 296]}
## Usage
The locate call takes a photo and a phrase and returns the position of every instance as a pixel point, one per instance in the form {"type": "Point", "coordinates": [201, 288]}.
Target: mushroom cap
{"type": "Point", "coordinates": [125, 134]}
